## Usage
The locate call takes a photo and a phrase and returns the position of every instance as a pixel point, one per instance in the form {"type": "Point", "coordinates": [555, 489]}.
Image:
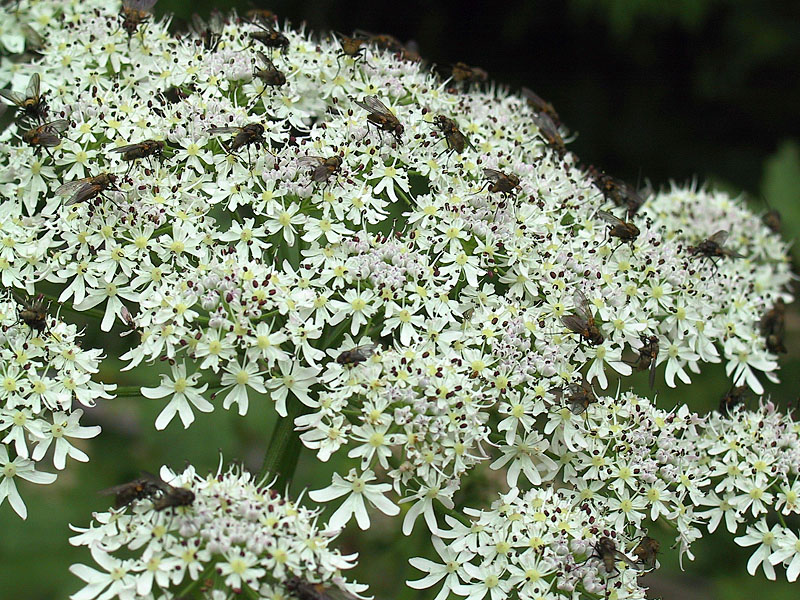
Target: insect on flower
{"type": "Point", "coordinates": [617, 191]}
{"type": "Point", "coordinates": [268, 36]}
{"type": "Point", "coordinates": [646, 551]}
{"type": "Point", "coordinates": [145, 149]}
{"type": "Point", "coordinates": [323, 168]}
{"type": "Point", "coordinates": [606, 550]}
{"type": "Point", "coordinates": [33, 313]}
{"type": "Point", "coordinates": [87, 188]}
{"type": "Point", "coordinates": [712, 248]}
{"type": "Point", "coordinates": [582, 322]}
{"type": "Point", "coordinates": [576, 396]}
{"type": "Point", "coordinates": [173, 497]}
{"type": "Point", "coordinates": [501, 182]}
{"type": "Point", "coordinates": [540, 105]}
{"type": "Point", "coordinates": [549, 130]}
{"type": "Point", "coordinates": [623, 230]}
{"type": "Point", "coordinates": [773, 327]}
{"type": "Point", "coordinates": [146, 486]}
{"type": "Point", "coordinates": [352, 46]}
{"type": "Point", "coordinates": [736, 396]}
{"type": "Point", "coordinates": [456, 141]}
{"type": "Point", "coordinates": [305, 590]}
{"type": "Point", "coordinates": [462, 73]}
{"type": "Point", "coordinates": [381, 117]}
{"type": "Point", "coordinates": [209, 33]}
{"type": "Point", "coordinates": [270, 76]}
{"type": "Point", "coordinates": [149, 486]}
{"type": "Point", "coordinates": [250, 134]}
{"type": "Point", "coordinates": [134, 13]}
{"type": "Point", "coordinates": [45, 136]}
{"type": "Point", "coordinates": [33, 104]}
{"type": "Point", "coordinates": [647, 359]}
{"type": "Point", "coordinates": [356, 355]}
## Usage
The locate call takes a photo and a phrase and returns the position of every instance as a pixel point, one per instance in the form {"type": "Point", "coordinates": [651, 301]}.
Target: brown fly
{"type": "Point", "coordinates": [773, 327]}
{"type": "Point", "coordinates": [305, 590]}
{"type": "Point", "coordinates": [606, 550]}
{"type": "Point", "coordinates": [33, 312]}
{"type": "Point", "coordinates": [134, 13]}
{"type": "Point", "coordinates": [145, 149]}
{"type": "Point", "coordinates": [45, 136]}
{"type": "Point", "coordinates": [772, 219]}
{"type": "Point", "coordinates": [173, 497]}
{"type": "Point", "coordinates": [582, 322]}
{"type": "Point", "coordinates": [32, 103]}
{"type": "Point", "coordinates": [499, 182]}
{"type": "Point", "coordinates": [356, 355]}
{"type": "Point", "coordinates": [146, 486]}
{"type": "Point", "coordinates": [381, 117]}
{"type": "Point", "coordinates": [251, 134]}
{"type": "Point", "coordinates": [646, 551]}
{"type": "Point", "coordinates": [576, 396]}
{"type": "Point", "coordinates": [549, 131]}
{"type": "Point", "coordinates": [617, 191]}
{"type": "Point", "coordinates": [734, 397]}
{"type": "Point", "coordinates": [455, 140]}
{"type": "Point", "coordinates": [713, 247]}
{"type": "Point", "coordinates": [540, 105]}
{"type": "Point", "coordinates": [269, 75]}
{"type": "Point", "coordinates": [208, 33]}
{"type": "Point", "coordinates": [622, 230]}
{"type": "Point", "coordinates": [464, 74]}
{"type": "Point", "coordinates": [87, 188]}
{"type": "Point", "coordinates": [648, 357]}
{"type": "Point", "coordinates": [269, 36]}
{"type": "Point", "coordinates": [322, 168]}
{"type": "Point", "coordinates": [149, 486]}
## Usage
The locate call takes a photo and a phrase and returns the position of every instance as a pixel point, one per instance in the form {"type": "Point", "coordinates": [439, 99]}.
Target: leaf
{"type": "Point", "coordinates": [780, 186]}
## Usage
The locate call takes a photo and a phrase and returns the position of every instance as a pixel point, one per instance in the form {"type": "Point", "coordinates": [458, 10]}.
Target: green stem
{"type": "Point", "coordinates": [404, 196]}
{"type": "Point", "coordinates": [190, 588]}
{"type": "Point", "coordinates": [284, 446]}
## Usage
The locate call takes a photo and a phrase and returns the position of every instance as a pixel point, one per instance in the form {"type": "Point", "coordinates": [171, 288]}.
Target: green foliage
{"type": "Point", "coordinates": [780, 187]}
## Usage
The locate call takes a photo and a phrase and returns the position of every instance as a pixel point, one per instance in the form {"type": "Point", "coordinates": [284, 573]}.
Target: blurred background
{"type": "Point", "coordinates": [665, 91]}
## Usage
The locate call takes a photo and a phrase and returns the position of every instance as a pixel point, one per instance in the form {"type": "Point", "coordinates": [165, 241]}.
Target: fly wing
{"type": "Point", "coordinates": [145, 5]}
{"type": "Point", "coordinates": [719, 238]}
{"type": "Point", "coordinates": [372, 104]}
{"type": "Point", "coordinates": [57, 126]}
{"type": "Point", "coordinates": [652, 378]}
{"type": "Point", "coordinates": [582, 306]}
{"type": "Point", "coordinates": [47, 139]}
{"type": "Point", "coordinates": [493, 175]}
{"type": "Point", "coordinates": [574, 323]}
{"type": "Point", "coordinates": [321, 174]}
{"type": "Point", "coordinates": [87, 190]}
{"type": "Point", "coordinates": [71, 186]}
{"type": "Point", "coordinates": [157, 482]}
{"type": "Point", "coordinates": [218, 130]}
{"type": "Point", "coordinates": [609, 218]}
{"type": "Point", "coordinates": [265, 60]}
{"type": "Point", "coordinates": [310, 161]}
{"type": "Point", "coordinates": [13, 97]}
{"type": "Point", "coordinates": [33, 86]}
{"type": "Point", "coordinates": [125, 148]}
{"type": "Point", "coordinates": [621, 556]}
{"type": "Point", "coordinates": [546, 125]}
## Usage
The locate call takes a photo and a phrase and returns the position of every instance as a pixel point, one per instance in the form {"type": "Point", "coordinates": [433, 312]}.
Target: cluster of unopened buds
{"type": "Point", "coordinates": [413, 270]}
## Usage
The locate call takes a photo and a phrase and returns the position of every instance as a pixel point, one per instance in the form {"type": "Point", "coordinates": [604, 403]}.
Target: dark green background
{"type": "Point", "coordinates": [705, 89]}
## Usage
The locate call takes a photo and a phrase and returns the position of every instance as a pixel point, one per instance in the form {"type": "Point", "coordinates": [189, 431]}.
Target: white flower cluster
{"type": "Point", "coordinates": [44, 377]}
{"type": "Point", "coordinates": [237, 535]}
{"type": "Point", "coordinates": [422, 273]}
{"type": "Point", "coordinates": [632, 466]}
